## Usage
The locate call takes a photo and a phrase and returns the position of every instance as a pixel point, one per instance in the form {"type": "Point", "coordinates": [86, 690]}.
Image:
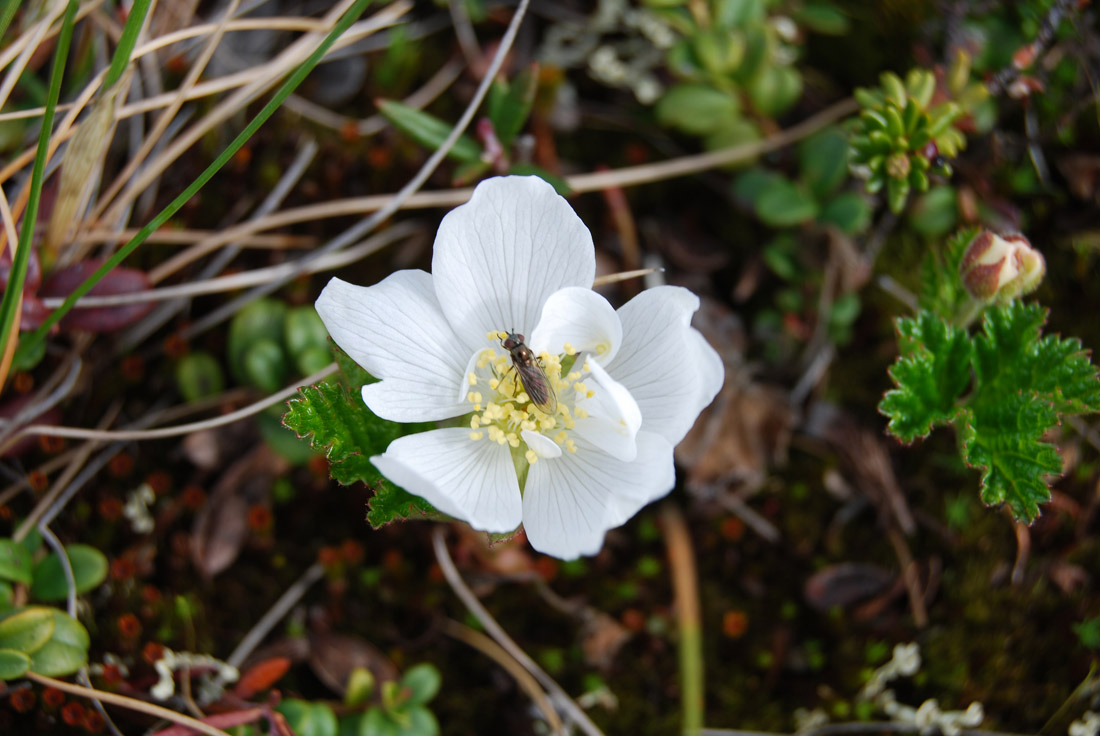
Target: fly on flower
{"type": "Point", "coordinates": [531, 374]}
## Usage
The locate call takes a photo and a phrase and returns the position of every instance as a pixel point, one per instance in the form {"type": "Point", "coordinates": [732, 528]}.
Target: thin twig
{"type": "Point", "coordinates": [500, 655]}
{"type": "Point", "coordinates": [179, 429]}
{"type": "Point", "coordinates": [580, 183]}
{"type": "Point", "coordinates": [275, 614]}
{"type": "Point", "coordinates": [458, 585]}
{"type": "Point", "coordinates": [124, 702]}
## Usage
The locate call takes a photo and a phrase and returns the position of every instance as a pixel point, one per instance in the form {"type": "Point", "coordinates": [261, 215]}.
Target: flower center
{"type": "Point", "coordinates": [500, 383]}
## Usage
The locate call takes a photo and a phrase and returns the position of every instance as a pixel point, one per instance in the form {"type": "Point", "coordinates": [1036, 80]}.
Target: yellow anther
{"type": "Point", "coordinates": [528, 425]}
{"type": "Point", "coordinates": [580, 388]}
{"type": "Point", "coordinates": [491, 335]}
{"type": "Point", "coordinates": [590, 394]}
{"type": "Point", "coordinates": [602, 348]}
{"type": "Point", "coordinates": [523, 398]}
{"type": "Point", "coordinates": [560, 437]}
{"type": "Point", "coordinates": [513, 440]}
{"type": "Point", "coordinates": [471, 378]}
{"type": "Point", "coordinates": [476, 435]}
{"type": "Point", "coordinates": [569, 349]}
{"type": "Point", "coordinates": [580, 413]}
{"type": "Point", "coordinates": [494, 384]}
{"type": "Point", "coordinates": [475, 421]}
{"type": "Point", "coordinates": [571, 445]}
{"type": "Point", "coordinates": [574, 376]}
{"type": "Point", "coordinates": [532, 458]}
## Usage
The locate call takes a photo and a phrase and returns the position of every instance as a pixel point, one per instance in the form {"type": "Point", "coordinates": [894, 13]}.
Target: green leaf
{"type": "Point", "coordinates": [27, 630]}
{"type": "Point", "coordinates": [824, 161]}
{"type": "Point", "coordinates": [423, 681]}
{"type": "Point", "coordinates": [15, 562]}
{"type": "Point", "coordinates": [391, 503]}
{"type": "Point", "coordinates": [89, 570]}
{"type": "Point", "coordinates": [822, 17]}
{"type": "Point", "coordinates": [67, 630]}
{"type": "Point", "coordinates": [751, 183]}
{"type": "Point", "coordinates": [783, 204]}
{"type": "Point", "coordinates": [848, 211]}
{"type": "Point", "coordinates": [697, 109]}
{"type": "Point", "coordinates": [427, 130]}
{"type": "Point", "coordinates": [935, 213]}
{"type": "Point", "coordinates": [58, 659]}
{"type": "Point", "coordinates": [509, 105]}
{"type": "Point", "coordinates": [774, 89]}
{"type": "Point", "coordinates": [13, 664]}
{"type": "Point", "coordinates": [931, 372]}
{"type": "Point", "coordinates": [338, 423]}
{"type": "Point", "coordinates": [376, 723]}
{"type": "Point", "coordinates": [308, 719]}
{"type": "Point", "coordinates": [260, 321]}
{"type": "Point", "coordinates": [942, 291]}
{"type": "Point", "coordinates": [421, 722]}
{"type": "Point", "coordinates": [1023, 383]}
{"type": "Point", "coordinates": [355, 377]}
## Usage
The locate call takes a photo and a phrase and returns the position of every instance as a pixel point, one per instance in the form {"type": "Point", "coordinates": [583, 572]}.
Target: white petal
{"type": "Point", "coordinates": [613, 415]}
{"type": "Point", "coordinates": [498, 257]}
{"type": "Point", "coordinates": [712, 371]}
{"type": "Point", "coordinates": [470, 480]}
{"type": "Point", "coordinates": [397, 332]}
{"type": "Point", "coordinates": [669, 370]}
{"type": "Point", "coordinates": [580, 317]}
{"type": "Point", "coordinates": [570, 503]}
{"type": "Point", "coordinates": [540, 444]}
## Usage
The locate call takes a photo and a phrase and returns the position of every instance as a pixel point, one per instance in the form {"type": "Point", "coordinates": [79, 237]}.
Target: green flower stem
{"type": "Point", "coordinates": [13, 294]}
{"type": "Point", "coordinates": [685, 585]}
{"type": "Point", "coordinates": [34, 338]}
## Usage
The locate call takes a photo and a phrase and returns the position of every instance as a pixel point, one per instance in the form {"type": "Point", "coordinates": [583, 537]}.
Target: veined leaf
{"type": "Point", "coordinates": [931, 372]}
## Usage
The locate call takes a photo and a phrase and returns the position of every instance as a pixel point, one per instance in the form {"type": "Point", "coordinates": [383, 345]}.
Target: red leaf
{"type": "Point", "coordinates": [99, 319]}
{"type": "Point", "coordinates": [261, 676]}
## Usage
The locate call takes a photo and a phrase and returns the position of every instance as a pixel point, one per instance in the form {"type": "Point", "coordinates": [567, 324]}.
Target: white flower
{"type": "Point", "coordinates": [628, 384]}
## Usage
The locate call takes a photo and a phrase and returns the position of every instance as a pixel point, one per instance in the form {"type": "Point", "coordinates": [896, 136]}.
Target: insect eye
{"type": "Point", "coordinates": [519, 338]}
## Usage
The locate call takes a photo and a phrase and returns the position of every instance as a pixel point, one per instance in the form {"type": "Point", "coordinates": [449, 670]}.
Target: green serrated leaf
{"type": "Point", "coordinates": [338, 423]}
{"type": "Point", "coordinates": [1003, 440]}
{"type": "Point", "coordinates": [391, 503]}
{"type": "Point", "coordinates": [942, 290]}
{"type": "Point", "coordinates": [355, 377]}
{"type": "Point", "coordinates": [427, 130]}
{"type": "Point", "coordinates": [1024, 382]}
{"type": "Point", "coordinates": [931, 372]}
{"type": "Point", "coordinates": [89, 567]}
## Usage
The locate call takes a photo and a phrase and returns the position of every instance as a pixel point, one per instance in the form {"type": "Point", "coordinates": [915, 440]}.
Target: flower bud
{"type": "Point", "coordinates": [1001, 267]}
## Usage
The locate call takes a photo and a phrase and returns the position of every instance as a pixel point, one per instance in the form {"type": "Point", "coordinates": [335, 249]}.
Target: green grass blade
{"type": "Point", "coordinates": [126, 42]}
{"type": "Point", "coordinates": [13, 294]}
{"type": "Point", "coordinates": [7, 14]}
{"type": "Point", "coordinates": [32, 340]}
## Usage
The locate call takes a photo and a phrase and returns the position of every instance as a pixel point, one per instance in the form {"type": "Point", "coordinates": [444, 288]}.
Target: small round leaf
{"type": "Point", "coordinates": [27, 630]}
{"type": "Point", "coordinates": [783, 204]}
{"type": "Point", "coordinates": [57, 659]}
{"type": "Point", "coordinates": [89, 570]}
{"type": "Point", "coordinates": [423, 681]}
{"type": "Point", "coordinates": [13, 664]}
{"type": "Point", "coordinates": [15, 562]}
